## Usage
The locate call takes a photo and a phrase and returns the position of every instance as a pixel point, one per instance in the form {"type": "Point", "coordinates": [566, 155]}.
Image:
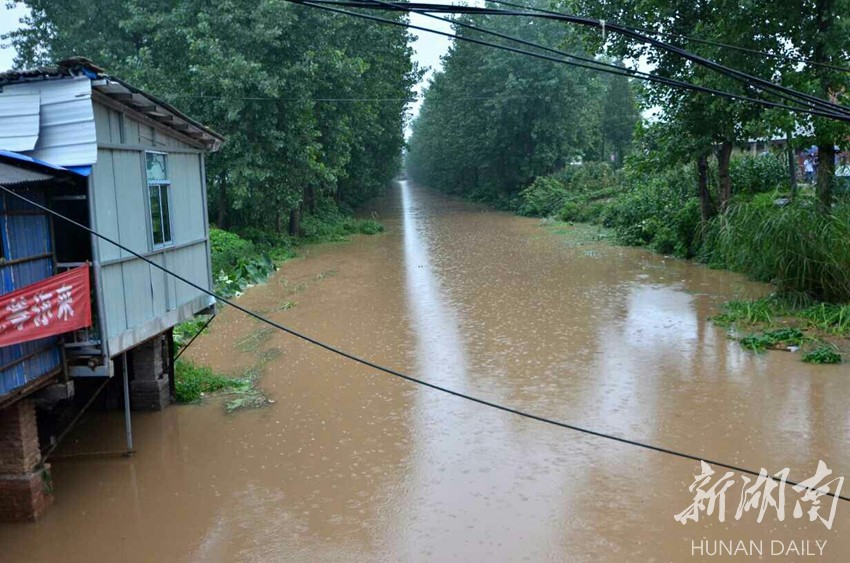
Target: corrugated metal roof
{"type": "Point", "coordinates": [16, 168]}
{"type": "Point", "coordinates": [135, 99]}
{"type": "Point", "coordinates": [40, 165]}
{"type": "Point", "coordinates": [11, 175]}
{"type": "Point", "coordinates": [19, 120]}
{"type": "Point", "coordinates": [67, 132]}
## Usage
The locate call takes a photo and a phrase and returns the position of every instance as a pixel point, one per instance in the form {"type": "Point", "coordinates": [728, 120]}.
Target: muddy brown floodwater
{"type": "Point", "coordinates": [353, 465]}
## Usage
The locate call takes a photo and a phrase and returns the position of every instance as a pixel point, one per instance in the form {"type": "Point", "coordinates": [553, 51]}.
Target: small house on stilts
{"type": "Point", "coordinates": [74, 307]}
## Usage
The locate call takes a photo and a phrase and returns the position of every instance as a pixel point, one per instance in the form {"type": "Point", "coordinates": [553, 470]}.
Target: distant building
{"type": "Point", "coordinates": [131, 167]}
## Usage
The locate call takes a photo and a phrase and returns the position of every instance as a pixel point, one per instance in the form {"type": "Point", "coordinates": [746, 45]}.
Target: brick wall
{"type": "Point", "coordinates": [19, 452]}
{"type": "Point", "coordinates": [25, 487]}
{"type": "Point", "coordinates": [24, 498]}
{"type": "Point", "coordinates": [150, 388]}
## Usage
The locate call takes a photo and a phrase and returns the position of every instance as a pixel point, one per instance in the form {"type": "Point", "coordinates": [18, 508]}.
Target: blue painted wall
{"type": "Point", "coordinates": [23, 236]}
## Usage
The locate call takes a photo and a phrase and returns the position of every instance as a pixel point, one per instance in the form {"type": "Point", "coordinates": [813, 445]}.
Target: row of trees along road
{"type": "Point", "coordinates": [260, 72]}
{"type": "Point", "coordinates": [494, 120]}
{"type": "Point", "coordinates": [536, 114]}
{"type": "Point", "coordinates": [699, 125]}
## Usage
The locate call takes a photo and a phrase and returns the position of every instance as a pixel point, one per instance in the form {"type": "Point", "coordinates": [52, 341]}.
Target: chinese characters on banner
{"type": "Point", "coordinates": [51, 306]}
{"type": "Point", "coordinates": [816, 498]}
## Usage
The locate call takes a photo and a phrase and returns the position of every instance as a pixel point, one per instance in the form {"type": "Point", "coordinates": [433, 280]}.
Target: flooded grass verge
{"type": "Point", "coordinates": [577, 234]}
{"type": "Point", "coordinates": [821, 331]}
{"type": "Point", "coordinates": [193, 383]}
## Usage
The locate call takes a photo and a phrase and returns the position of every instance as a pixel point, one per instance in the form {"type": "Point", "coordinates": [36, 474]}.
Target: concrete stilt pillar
{"type": "Point", "coordinates": [150, 388]}
{"type": "Point", "coordinates": [26, 489]}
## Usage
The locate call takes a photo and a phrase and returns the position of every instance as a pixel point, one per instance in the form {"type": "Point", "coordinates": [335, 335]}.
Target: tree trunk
{"type": "Point", "coordinates": [826, 176]}
{"type": "Point", "coordinates": [705, 206]}
{"type": "Point", "coordinates": [295, 221]}
{"type": "Point", "coordinates": [310, 198]}
{"type": "Point", "coordinates": [792, 164]}
{"type": "Point", "coordinates": [826, 151]}
{"type": "Point", "coordinates": [221, 219]}
{"type": "Point", "coordinates": [724, 156]}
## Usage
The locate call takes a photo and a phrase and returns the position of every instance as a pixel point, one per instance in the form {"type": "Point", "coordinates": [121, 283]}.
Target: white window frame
{"type": "Point", "coordinates": [159, 185]}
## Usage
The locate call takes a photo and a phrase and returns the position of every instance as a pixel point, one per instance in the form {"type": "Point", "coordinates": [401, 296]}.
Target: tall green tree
{"type": "Point", "coordinates": [276, 79]}
{"type": "Point", "coordinates": [493, 120]}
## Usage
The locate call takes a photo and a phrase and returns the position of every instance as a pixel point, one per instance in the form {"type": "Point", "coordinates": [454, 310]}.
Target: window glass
{"type": "Point", "coordinates": [166, 219]}
{"type": "Point", "coordinates": [156, 165]}
{"type": "Point", "coordinates": [156, 215]}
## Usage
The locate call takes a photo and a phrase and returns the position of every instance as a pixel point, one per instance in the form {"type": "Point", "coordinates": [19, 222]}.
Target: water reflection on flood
{"type": "Point", "coordinates": [352, 465]}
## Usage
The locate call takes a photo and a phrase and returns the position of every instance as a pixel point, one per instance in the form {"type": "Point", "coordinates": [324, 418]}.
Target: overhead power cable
{"type": "Point", "coordinates": [185, 347]}
{"type": "Point", "coordinates": [387, 370]}
{"type": "Point", "coordinates": [760, 84]}
{"type": "Point", "coordinates": [285, 99]}
{"type": "Point", "coordinates": [592, 64]}
{"type": "Point", "coordinates": [328, 5]}
{"type": "Point", "coordinates": [787, 57]}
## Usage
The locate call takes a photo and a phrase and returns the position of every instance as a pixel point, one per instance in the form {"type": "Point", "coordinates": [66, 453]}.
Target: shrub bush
{"type": "Point", "coordinates": [660, 211]}
{"type": "Point", "coordinates": [227, 249]}
{"type": "Point", "coordinates": [758, 174]}
{"type": "Point", "coordinates": [588, 177]}
{"type": "Point", "coordinates": [544, 197]}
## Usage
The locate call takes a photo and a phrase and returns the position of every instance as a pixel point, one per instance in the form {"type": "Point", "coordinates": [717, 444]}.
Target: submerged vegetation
{"type": "Point", "coordinates": [192, 382]}
{"type": "Point", "coordinates": [567, 145]}
{"type": "Point", "coordinates": [820, 330]}
{"type": "Point", "coordinates": [239, 262]}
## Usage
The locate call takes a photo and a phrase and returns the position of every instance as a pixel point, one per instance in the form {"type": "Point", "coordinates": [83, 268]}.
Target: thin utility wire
{"type": "Point", "coordinates": [786, 57]}
{"type": "Point", "coordinates": [391, 371]}
{"type": "Point", "coordinates": [327, 6]}
{"type": "Point", "coordinates": [814, 102]}
{"type": "Point", "coordinates": [73, 423]}
{"type": "Point", "coordinates": [634, 73]}
{"type": "Point", "coordinates": [285, 99]}
{"type": "Point", "coordinates": [594, 63]}
{"type": "Point", "coordinates": [195, 336]}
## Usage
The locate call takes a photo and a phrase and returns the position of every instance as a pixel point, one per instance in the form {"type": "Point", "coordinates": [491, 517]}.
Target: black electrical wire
{"type": "Point", "coordinates": [618, 69]}
{"type": "Point", "coordinates": [741, 76]}
{"type": "Point", "coordinates": [191, 340]}
{"type": "Point", "coordinates": [789, 94]}
{"type": "Point", "coordinates": [699, 40]}
{"type": "Point", "coordinates": [73, 423]}
{"type": "Point", "coordinates": [387, 370]}
{"type": "Point", "coordinates": [327, 6]}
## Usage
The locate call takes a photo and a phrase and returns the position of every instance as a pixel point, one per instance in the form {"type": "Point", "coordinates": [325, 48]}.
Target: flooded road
{"type": "Point", "coordinates": [353, 465]}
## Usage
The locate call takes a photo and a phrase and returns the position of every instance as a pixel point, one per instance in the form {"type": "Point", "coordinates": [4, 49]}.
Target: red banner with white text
{"type": "Point", "coordinates": [54, 305]}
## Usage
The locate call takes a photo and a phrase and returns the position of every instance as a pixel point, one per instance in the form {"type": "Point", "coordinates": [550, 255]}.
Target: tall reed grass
{"type": "Point", "coordinates": [799, 249]}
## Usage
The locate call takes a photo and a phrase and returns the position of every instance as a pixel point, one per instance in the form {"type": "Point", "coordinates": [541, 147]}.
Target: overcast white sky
{"type": "Point", "coordinates": [429, 47]}
{"type": "Point", "coordinates": [9, 20]}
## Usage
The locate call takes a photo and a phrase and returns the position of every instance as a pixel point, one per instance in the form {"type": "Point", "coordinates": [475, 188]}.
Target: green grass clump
{"type": "Point", "coordinates": [828, 317]}
{"type": "Point", "coordinates": [778, 338]}
{"type": "Point", "coordinates": [822, 355]}
{"type": "Point", "coordinates": [337, 228]}
{"type": "Point", "coordinates": [192, 381]}
{"type": "Point", "coordinates": [798, 248]}
{"type": "Point", "coordinates": [187, 330]}
{"type": "Point", "coordinates": [764, 310]}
